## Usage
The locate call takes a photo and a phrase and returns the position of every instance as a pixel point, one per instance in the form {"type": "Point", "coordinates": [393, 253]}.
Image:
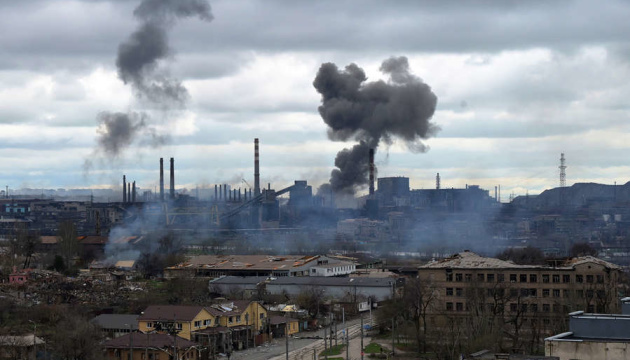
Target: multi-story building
{"type": "Point", "coordinates": [518, 299]}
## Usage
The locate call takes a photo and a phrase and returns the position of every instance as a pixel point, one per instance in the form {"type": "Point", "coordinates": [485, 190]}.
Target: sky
{"type": "Point", "coordinates": [517, 84]}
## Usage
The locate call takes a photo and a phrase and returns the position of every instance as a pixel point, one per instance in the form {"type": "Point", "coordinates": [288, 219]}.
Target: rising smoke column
{"type": "Point", "coordinates": [140, 64]}
{"type": "Point", "coordinates": [371, 112]}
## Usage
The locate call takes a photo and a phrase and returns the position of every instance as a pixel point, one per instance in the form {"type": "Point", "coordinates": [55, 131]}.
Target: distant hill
{"type": "Point", "coordinates": [576, 195]}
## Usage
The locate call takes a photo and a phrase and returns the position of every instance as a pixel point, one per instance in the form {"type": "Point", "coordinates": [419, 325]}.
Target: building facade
{"type": "Point", "coordinates": [520, 301]}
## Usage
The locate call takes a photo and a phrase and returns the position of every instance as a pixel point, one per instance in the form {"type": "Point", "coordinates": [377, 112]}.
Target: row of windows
{"type": "Point", "coordinates": [524, 292]}
{"type": "Point", "coordinates": [524, 308]}
{"type": "Point", "coordinates": [524, 278]}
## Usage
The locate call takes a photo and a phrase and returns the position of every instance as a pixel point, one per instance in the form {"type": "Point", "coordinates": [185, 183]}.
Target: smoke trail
{"type": "Point", "coordinates": [140, 64]}
{"type": "Point", "coordinates": [371, 112]}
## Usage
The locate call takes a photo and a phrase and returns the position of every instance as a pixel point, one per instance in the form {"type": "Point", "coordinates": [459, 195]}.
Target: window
{"type": "Point", "coordinates": [566, 279]}
{"type": "Point", "coordinates": [533, 308]}
{"type": "Point", "coordinates": [589, 278]}
{"type": "Point", "coordinates": [198, 323]}
{"type": "Point", "coordinates": [490, 278]}
{"type": "Point", "coordinates": [545, 292]}
{"type": "Point", "coordinates": [533, 292]}
{"type": "Point", "coordinates": [579, 293]}
{"type": "Point", "coordinates": [449, 276]}
{"type": "Point", "coordinates": [449, 306]}
{"type": "Point", "coordinates": [480, 277]}
{"type": "Point", "coordinates": [150, 325]}
{"type": "Point", "coordinates": [600, 279]}
{"type": "Point", "coordinates": [501, 292]}
{"type": "Point", "coordinates": [556, 292]}
{"type": "Point", "coordinates": [601, 294]}
{"type": "Point", "coordinates": [579, 278]}
{"type": "Point", "coordinates": [449, 291]}
{"type": "Point", "coordinates": [524, 292]}
{"type": "Point", "coordinates": [523, 308]}
{"type": "Point", "coordinates": [556, 308]}
{"type": "Point", "coordinates": [565, 293]}
{"type": "Point", "coordinates": [468, 277]}
{"type": "Point", "coordinates": [459, 306]}
{"type": "Point", "coordinates": [459, 277]}
{"type": "Point", "coordinates": [513, 293]}
{"type": "Point", "coordinates": [179, 326]}
{"type": "Point", "coordinates": [262, 316]}
{"type": "Point", "coordinates": [546, 321]}
{"type": "Point", "coordinates": [523, 278]}
{"type": "Point", "coordinates": [216, 320]}
{"type": "Point", "coordinates": [459, 292]}
{"type": "Point", "coordinates": [207, 322]}
{"type": "Point", "coordinates": [545, 278]}
{"type": "Point", "coordinates": [230, 320]}
{"type": "Point", "coordinates": [546, 308]}
{"type": "Point", "coordinates": [513, 307]}
{"type": "Point", "coordinates": [513, 278]}
{"type": "Point", "coordinates": [238, 318]}
{"type": "Point", "coordinates": [589, 294]}
{"type": "Point", "coordinates": [500, 278]}
{"type": "Point", "coordinates": [533, 278]}
{"type": "Point", "coordinates": [491, 292]}
{"type": "Point", "coordinates": [556, 278]}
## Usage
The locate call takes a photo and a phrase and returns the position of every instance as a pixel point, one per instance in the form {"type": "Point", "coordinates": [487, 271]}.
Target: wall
{"type": "Point", "coordinates": [585, 350]}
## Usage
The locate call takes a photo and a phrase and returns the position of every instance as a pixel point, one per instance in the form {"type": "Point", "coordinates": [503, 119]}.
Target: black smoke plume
{"type": "Point", "coordinates": [371, 112]}
{"type": "Point", "coordinates": [140, 64]}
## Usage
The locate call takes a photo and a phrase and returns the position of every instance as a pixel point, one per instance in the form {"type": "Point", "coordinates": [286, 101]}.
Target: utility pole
{"type": "Point", "coordinates": [130, 343]}
{"type": "Point", "coordinates": [286, 335]}
{"type": "Point", "coordinates": [393, 344]}
{"type": "Point", "coordinates": [347, 345]}
{"type": "Point", "coordinates": [325, 346]}
{"type": "Point", "coordinates": [361, 336]}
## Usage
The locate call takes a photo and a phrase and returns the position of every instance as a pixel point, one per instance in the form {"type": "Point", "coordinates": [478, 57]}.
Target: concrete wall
{"type": "Point", "coordinates": [379, 293]}
{"type": "Point", "coordinates": [587, 350]}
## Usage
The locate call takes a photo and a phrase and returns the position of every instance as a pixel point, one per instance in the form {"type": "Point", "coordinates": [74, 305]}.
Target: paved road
{"type": "Point", "coordinates": [300, 348]}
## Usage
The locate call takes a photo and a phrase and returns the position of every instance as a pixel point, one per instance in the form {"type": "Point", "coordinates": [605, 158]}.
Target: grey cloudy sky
{"type": "Point", "coordinates": [518, 82]}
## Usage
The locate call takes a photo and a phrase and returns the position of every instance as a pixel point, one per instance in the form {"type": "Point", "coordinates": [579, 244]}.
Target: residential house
{"type": "Point", "coordinates": [176, 318]}
{"type": "Point", "coordinates": [20, 347]}
{"type": "Point", "coordinates": [151, 347]}
{"type": "Point", "coordinates": [116, 325]}
{"type": "Point", "coordinates": [278, 325]}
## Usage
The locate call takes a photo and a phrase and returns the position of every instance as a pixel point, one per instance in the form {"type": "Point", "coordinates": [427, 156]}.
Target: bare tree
{"type": "Point", "coordinates": [68, 242]}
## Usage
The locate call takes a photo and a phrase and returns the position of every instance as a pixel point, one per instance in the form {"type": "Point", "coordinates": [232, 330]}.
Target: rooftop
{"type": "Point", "coordinates": [116, 321]}
{"type": "Point", "coordinates": [253, 262]}
{"type": "Point", "coordinates": [471, 260]}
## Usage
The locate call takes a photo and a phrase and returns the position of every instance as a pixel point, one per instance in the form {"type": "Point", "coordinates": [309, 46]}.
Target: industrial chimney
{"type": "Point", "coordinates": [124, 189]}
{"type": "Point", "coordinates": [133, 192]}
{"type": "Point", "coordinates": [371, 172]}
{"type": "Point", "coordinates": [256, 168]}
{"type": "Point", "coordinates": [172, 178]}
{"type": "Point", "coordinates": [161, 179]}
{"type": "Point", "coordinates": [128, 192]}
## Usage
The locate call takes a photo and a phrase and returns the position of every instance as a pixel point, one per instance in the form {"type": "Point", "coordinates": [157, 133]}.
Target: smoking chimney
{"type": "Point", "coordinates": [256, 168]}
{"type": "Point", "coordinates": [172, 178]}
{"type": "Point", "coordinates": [371, 172]}
{"type": "Point", "coordinates": [161, 179]}
{"type": "Point", "coordinates": [124, 189]}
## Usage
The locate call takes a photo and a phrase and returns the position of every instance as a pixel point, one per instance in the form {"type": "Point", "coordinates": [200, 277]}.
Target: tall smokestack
{"type": "Point", "coordinates": [124, 189]}
{"type": "Point", "coordinates": [371, 172]}
{"type": "Point", "coordinates": [172, 178]}
{"type": "Point", "coordinates": [256, 168]}
{"type": "Point", "coordinates": [133, 192]}
{"type": "Point", "coordinates": [437, 181]}
{"type": "Point", "coordinates": [215, 192]}
{"type": "Point", "coordinates": [128, 192]}
{"type": "Point", "coordinates": [161, 179]}
{"type": "Point", "coordinates": [225, 194]}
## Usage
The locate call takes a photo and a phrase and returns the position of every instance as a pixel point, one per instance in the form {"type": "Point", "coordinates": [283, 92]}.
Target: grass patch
{"type": "Point", "coordinates": [374, 348]}
{"type": "Point", "coordinates": [335, 350]}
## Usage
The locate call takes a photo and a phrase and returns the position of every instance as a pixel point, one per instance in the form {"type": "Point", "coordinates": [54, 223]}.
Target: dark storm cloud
{"type": "Point", "coordinates": [371, 112]}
